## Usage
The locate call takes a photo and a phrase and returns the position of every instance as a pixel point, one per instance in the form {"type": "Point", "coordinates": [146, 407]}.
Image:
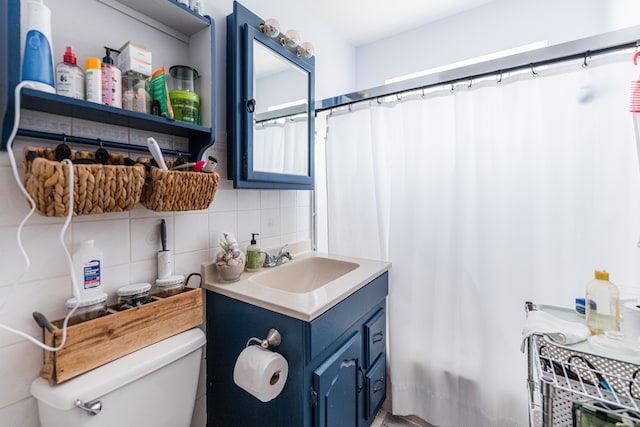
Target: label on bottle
{"type": "Point", "coordinates": [91, 274]}
{"type": "Point", "coordinates": [70, 81]}
{"type": "Point", "coordinates": [111, 86]}
{"type": "Point", "coordinates": [253, 260]}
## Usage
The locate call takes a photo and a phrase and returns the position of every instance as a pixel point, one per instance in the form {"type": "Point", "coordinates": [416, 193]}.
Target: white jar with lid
{"type": "Point", "coordinates": [89, 308]}
{"type": "Point", "coordinates": [133, 295]}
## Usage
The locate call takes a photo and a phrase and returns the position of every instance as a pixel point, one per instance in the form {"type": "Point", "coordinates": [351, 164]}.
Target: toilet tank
{"type": "Point", "coordinates": [154, 386]}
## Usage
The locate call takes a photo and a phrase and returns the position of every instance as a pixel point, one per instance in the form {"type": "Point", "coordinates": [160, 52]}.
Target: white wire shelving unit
{"type": "Point", "coordinates": [562, 378]}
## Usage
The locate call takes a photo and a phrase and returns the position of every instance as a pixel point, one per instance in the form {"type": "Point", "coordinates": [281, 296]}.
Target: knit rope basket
{"type": "Point", "coordinates": [97, 188]}
{"type": "Point", "coordinates": [177, 190]}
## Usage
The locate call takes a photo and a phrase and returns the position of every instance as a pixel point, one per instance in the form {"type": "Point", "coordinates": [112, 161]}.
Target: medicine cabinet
{"type": "Point", "coordinates": [172, 32]}
{"type": "Point", "coordinates": [270, 113]}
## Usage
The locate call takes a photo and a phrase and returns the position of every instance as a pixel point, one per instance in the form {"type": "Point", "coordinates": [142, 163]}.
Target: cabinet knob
{"type": "Point", "coordinates": [378, 386]}
{"type": "Point", "coordinates": [251, 105]}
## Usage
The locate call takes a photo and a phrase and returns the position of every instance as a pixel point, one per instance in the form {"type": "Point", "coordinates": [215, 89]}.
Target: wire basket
{"type": "Point", "coordinates": [177, 190]}
{"type": "Point", "coordinates": [97, 188]}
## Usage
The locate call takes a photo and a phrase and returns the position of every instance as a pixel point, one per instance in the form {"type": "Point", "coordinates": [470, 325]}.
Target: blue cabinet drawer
{"type": "Point", "coordinates": [375, 336]}
{"type": "Point", "coordinates": [327, 328]}
{"type": "Point", "coordinates": [376, 385]}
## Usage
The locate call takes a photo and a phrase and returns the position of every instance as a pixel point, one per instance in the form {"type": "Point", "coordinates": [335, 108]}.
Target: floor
{"type": "Point", "coordinates": [386, 419]}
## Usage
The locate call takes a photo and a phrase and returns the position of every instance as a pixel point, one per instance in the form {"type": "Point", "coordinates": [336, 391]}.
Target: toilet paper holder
{"type": "Point", "coordinates": [273, 339]}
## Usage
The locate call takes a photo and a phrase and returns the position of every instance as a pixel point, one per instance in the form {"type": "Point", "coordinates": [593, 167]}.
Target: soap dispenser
{"type": "Point", "coordinates": [111, 80]}
{"type": "Point", "coordinates": [253, 254]}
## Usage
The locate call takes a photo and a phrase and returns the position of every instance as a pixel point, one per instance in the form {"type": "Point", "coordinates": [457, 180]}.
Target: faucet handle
{"type": "Point", "coordinates": [282, 249]}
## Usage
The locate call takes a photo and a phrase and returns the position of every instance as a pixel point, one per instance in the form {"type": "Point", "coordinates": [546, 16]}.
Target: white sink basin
{"type": "Point", "coordinates": [305, 275]}
{"type": "Point", "coordinates": [302, 288]}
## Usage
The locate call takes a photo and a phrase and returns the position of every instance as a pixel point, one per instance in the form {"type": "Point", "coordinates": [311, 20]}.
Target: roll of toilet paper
{"type": "Point", "coordinates": [631, 325]}
{"type": "Point", "coordinates": [261, 372]}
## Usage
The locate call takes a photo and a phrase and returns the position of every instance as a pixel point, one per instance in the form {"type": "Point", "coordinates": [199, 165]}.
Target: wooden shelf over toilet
{"type": "Point", "coordinates": [98, 341]}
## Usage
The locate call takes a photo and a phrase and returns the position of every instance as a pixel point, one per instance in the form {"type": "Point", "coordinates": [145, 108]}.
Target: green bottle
{"type": "Point", "coordinates": [253, 254]}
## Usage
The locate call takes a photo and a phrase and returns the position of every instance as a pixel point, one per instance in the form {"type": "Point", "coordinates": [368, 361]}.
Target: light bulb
{"type": "Point", "coordinates": [270, 28]}
{"type": "Point", "coordinates": [291, 39]}
{"type": "Point", "coordinates": [305, 50]}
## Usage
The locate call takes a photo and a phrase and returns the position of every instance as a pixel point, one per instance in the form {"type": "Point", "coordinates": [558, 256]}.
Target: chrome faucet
{"type": "Point", "coordinates": [281, 258]}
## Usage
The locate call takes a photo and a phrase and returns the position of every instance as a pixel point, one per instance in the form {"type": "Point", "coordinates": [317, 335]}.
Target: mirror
{"type": "Point", "coordinates": [280, 120]}
{"type": "Point", "coordinates": [270, 108]}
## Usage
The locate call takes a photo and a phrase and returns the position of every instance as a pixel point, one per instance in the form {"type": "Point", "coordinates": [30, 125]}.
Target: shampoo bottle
{"type": "Point", "coordinates": [87, 266]}
{"type": "Point", "coordinates": [253, 254]}
{"type": "Point", "coordinates": [93, 84]}
{"type": "Point", "coordinates": [69, 77]}
{"type": "Point", "coordinates": [111, 80]}
{"type": "Point", "coordinates": [602, 304]}
{"type": "Point", "coordinates": [37, 65]}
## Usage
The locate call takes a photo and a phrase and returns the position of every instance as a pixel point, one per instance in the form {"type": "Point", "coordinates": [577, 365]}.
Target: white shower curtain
{"type": "Point", "coordinates": [482, 199]}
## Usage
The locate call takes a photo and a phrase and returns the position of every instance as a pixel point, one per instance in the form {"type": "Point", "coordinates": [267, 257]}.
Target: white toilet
{"type": "Point", "coordinates": [155, 386]}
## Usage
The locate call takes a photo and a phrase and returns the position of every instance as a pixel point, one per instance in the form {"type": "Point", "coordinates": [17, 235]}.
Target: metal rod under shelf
{"type": "Point", "coordinates": [91, 141]}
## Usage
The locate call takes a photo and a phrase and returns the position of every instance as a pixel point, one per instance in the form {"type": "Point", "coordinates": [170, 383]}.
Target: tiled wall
{"type": "Point", "coordinates": [129, 241]}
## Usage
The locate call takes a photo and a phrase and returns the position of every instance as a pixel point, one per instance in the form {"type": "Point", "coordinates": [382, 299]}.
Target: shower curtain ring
{"type": "Point", "coordinates": [584, 63]}
{"type": "Point", "coordinates": [499, 78]}
{"type": "Point", "coordinates": [452, 88]}
{"type": "Point", "coordinates": [533, 70]}
{"type": "Point", "coordinates": [470, 83]}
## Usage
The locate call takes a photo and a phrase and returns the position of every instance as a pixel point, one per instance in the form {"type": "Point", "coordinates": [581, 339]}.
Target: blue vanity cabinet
{"type": "Point", "coordinates": [336, 362]}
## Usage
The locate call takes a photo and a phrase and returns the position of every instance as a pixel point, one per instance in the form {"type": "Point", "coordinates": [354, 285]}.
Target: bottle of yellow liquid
{"type": "Point", "coordinates": [602, 304]}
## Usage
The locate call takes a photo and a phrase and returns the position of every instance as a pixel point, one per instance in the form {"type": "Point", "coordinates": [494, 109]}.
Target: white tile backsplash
{"type": "Point", "coordinates": [248, 222]}
{"type": "Point", "coordinates": [95, 130]}
{"type": "Point", "coordinates": [145, 237]}
{"type": "Point", "coordinates": [248, 200]}
{"type": "Point", "coordinates": [112, 241]}
{"type": "Point", "coordinates": [45, 122]}
{"type": "Point", "coordinates": [191, 232]}
{"type": "Point", "coordinates": [23, 414]}
{"type": "Point", "coordinates": [225, 201]}
{"type": "Point", "coordinates": [20, 365]}
{"type": "Point", "coordinates": [269, 199]}
{"type": "Point", "coordinates": [270, 222]}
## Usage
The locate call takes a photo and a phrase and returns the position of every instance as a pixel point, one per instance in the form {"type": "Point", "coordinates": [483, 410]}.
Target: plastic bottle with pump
{"type": "Point", "coordinates": [37, 65]}
{"type": "Point", "coordinates": [253, 254]}
{"type": "Point", "coordinates": [69, 77]}
{"type": "Point", "coordinates": [93, 84]}
{"type": "Point", "coordinates": [602, 303]}
{"type": "Point", "coordinates": [111, 80]}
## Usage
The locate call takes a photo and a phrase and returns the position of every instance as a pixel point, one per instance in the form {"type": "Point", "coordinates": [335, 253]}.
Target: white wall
{"type": "Point", "coordinates": [496, 26]}
{"type": "Point", "coordinates": [130, 240]}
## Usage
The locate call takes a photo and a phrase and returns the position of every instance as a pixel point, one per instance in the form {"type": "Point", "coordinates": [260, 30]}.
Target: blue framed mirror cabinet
{"type": "Point", "coordinates": [270, 116]}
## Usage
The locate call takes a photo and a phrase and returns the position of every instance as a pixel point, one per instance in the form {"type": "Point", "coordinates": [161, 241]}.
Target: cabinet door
{"type": "Point", "coordinates": [336, 384]}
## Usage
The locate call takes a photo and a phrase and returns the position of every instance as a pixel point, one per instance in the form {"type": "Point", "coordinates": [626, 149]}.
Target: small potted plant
{"type": "Point", "coordinates": [230, 259]}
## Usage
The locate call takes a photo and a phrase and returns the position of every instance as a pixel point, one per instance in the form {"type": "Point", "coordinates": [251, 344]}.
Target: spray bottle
{"type": "Point", "coordinates": [37, 65]}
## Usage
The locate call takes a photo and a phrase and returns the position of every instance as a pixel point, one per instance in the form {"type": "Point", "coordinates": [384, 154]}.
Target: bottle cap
{"type": "Point", "coordinates": [69, 55]}
{"type": "Point", "coordinates": [602, 275]}
{"type": "Point", "coordinates": [92, 63]}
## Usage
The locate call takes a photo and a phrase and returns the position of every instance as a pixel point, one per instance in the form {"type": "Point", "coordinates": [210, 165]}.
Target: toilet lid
{"type": "Point", "coordinates": [113, 375]}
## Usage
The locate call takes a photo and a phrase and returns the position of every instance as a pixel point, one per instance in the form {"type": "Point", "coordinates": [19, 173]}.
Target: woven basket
{"type": "Point", "coordinates": [97, 188]}
{"type": "Point", "coordinates": [179, 190]}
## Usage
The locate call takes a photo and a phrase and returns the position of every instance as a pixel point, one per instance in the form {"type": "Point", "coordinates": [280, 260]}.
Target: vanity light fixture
{"type": "Point", "coordinates": [291, 39]}
{"type": "Point", "coordinates": [270, 28]}
{"type": "Point", "coordinates": [305, 50]}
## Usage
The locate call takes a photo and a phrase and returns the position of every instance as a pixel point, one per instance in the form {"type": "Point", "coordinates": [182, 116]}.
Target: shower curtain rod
{"type": "Point", "coordinates": [579, 49]}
